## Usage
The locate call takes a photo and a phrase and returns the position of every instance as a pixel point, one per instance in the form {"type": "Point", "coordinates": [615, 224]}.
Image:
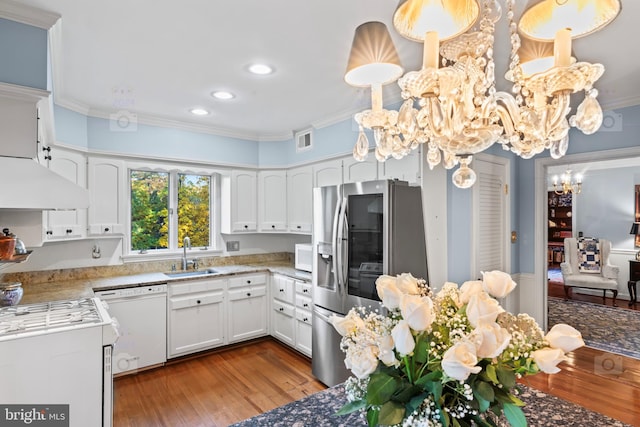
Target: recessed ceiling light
{"type": "Point", "coordinates": [222, 94]}
{"type": "Point", "coordinates": [261, 69]}
{"type": "Point", "coordinates": [199, 111]}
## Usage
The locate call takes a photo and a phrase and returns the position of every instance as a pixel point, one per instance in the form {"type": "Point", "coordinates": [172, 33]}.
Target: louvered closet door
{"type": "Point", "coordinates": [491, 220]}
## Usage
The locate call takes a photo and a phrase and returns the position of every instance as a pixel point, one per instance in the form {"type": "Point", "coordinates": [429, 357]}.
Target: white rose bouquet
{"type": "Point", "coordinates": [450, 359]}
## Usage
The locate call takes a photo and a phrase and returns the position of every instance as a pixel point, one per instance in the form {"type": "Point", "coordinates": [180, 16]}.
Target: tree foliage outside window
{"type": "Point", "coordinates": [194, 209]}
{"type": "Point", "coordinates": [149, 210]}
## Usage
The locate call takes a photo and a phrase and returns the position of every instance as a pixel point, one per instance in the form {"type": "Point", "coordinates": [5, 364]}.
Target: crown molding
{"type": "Point", "coordinates": [22, 92]}
{"type": "Point", "coordinates": [29, 15]}
{"type": "Point", "coordinates": [621, 102]}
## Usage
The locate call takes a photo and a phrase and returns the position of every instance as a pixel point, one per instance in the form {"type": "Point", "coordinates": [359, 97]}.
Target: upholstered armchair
{"type": "Point", "coordinates": [587, 266]}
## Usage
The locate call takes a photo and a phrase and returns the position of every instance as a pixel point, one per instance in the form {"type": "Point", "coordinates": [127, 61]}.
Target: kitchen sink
{"type": "Point", "coordinates": [193, 273]}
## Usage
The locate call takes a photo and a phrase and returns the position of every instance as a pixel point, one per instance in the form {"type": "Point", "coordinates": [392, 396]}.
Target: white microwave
{"type": "Point", "coordinates": [304, 257]}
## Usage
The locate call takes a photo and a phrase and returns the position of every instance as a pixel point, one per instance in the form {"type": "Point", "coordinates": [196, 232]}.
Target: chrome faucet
{"type": "Point", "coordinates": [185, 242]}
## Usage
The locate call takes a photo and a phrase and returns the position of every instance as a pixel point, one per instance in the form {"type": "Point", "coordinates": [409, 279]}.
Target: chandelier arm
{"type": "Point", "coordinates": [434, 107]}
{"type": "Point", "coordinates": [559, 113]}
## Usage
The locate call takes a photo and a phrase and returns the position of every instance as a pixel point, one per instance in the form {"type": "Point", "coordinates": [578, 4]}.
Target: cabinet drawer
{"type": "Point", "coordinates": [247, 280]}
{"type": "Point", "coordinates": [304, 316]}
{"type": "Point", "coordinates": [303, 288]}
{"type": "Point", "coordinates": [283, 308]}
{"type": "Point", "coordinates": [194, 301]}
{"type": "Point", "coordinates": [247, 292]}
{"type": "Point", "coordinates": [194, 286]}
{"type": "Point", "coordinates": [282, 288]}
{"type": "Point", "coordinates": [303, 302]}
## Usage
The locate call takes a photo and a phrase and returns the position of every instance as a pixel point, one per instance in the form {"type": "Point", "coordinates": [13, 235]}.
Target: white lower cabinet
{"type": "Point", "coordinates": [291, 307]}
{"type": "Point", "coordinates": [283, 315]}
{"type": "Point", "coordinates": [196, 316]}
{"type": "Point", "coordinates": [247, 307]}
{"type": "Point", "coordinates": [304, 306]}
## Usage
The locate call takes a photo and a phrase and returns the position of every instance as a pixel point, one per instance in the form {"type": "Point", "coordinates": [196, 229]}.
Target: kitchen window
{"type": "Point", "coordinates": [166, 207]}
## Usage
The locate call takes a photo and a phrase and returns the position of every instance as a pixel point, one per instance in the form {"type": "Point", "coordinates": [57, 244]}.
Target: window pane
{"type": "Point", "coordinates": [149, 210]}
{"type": "Point", "coordinates": [193, 209]}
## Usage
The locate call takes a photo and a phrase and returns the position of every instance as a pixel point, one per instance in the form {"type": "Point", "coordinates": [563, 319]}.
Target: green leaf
{"type": "Point", "coordinates": [514, 415]}
{"type": "Point", "coordinates": [506, 377]}
{"type": "Point", "coordinates": [352, 407]}
{"type": "Point", "coordinates": [415, 401]}
{"type": "Point", "coordinates": [391, 413]}
{"type": "Point", "coordinates": [405, 393]}
{"type": "Point", "coordinates": [484, 390]}
{"type": "Point", "coordinates": [421, 351]}
{"type": "Point", "coordinates": [380, 389]}
{"type": "Point", "coordinates": [491, 373]}
{"type": "Point", "coordinates": [483, 404]}
{"type": "Point", "coordinates": [435, 388]}
{"type": "Point", "coordinates": [431, 376]}
{"type": "Point", "coordinates": [481, 422]}
{"type": "Point", "coordinates": [372, 417]}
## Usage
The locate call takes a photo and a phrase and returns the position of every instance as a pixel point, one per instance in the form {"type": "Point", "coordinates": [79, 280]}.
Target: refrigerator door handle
{"type": "Point", "coordinates": [334, 246]}
{"type": "Point", "coordinates": [340, 245]}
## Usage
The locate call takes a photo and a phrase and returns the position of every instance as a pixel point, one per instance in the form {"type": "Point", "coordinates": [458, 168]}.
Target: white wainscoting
{"type": "Point", "coordinates": [531, 298]}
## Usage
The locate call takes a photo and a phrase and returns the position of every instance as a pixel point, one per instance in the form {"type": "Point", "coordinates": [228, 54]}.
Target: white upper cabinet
{"type": "Point", "coordinates": [65, 224]}
{"type": "Point", "coordinates": [300, 199]}
{"type": "Point", "coordinates": [327, 173]}
{"type": "Point", "coordinates": [404, 169]}
{"type": "Point", "coordinates": [18, 120]}
{"type": "Point", "coordinates": [354, 171]}
{"type": "Point", "coordinates": [107, 183]}
{"type": "Point", "coordinates": [272, 200]}
{"type": "Point", "coordinates": [239, 191]}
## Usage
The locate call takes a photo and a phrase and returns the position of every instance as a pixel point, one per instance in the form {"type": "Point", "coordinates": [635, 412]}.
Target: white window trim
{"type": "Point", "coordinates": [174, 251]}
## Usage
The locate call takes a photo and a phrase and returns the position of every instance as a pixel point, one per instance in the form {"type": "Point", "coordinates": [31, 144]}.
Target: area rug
{"type": "Point", "coordinates": [606, 328]}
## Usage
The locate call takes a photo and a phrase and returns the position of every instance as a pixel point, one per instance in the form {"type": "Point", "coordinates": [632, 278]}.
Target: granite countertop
{"type": "Point", "coordinates": [318, 410]}
{"type": "Point", "coordinates": [84, 288]}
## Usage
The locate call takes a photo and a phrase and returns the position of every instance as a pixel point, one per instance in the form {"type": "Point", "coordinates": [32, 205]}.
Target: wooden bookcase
{"type": "Point", "coordinates": [559, 217]}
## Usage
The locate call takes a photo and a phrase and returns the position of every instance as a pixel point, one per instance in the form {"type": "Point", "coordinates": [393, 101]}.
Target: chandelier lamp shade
{"type": "Point", "coordinates": [568, 183]}
{"type": "Point", "coordinates": [451, 105]}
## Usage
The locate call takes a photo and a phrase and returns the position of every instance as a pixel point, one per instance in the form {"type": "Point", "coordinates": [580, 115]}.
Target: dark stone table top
{"type": "Point", "coordinates": [318, 410]}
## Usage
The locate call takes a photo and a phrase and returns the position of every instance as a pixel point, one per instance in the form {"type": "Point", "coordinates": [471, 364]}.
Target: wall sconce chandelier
{"type": "Point", "coordinates": [568, 184]}
{"type": "Point", "coordinates": [451, 104]}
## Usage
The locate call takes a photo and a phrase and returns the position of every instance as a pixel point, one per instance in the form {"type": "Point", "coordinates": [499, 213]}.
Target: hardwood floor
{"type": "Point", "coordinates": [556, 289]}
{"type": "Point", "coordinates": [215, 389]}
{"type": "Point", "coordinates": [232, 384]}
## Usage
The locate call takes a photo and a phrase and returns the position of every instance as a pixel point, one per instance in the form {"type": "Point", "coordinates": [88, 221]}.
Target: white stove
{"type": "Point", "coordinates": [59, 353]}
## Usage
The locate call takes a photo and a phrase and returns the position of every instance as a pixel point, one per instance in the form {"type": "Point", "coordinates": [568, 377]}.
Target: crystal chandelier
{"type": "Point", "coordinates": [567, 183]}
{"type": "Point", "coordinates": [451, 104]}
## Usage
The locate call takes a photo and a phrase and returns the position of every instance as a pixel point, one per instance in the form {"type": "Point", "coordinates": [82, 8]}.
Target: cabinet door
{"type": "Point", "coordinates": [18, 122]}
{"type": "Point", "coordinates": [247, 313]}
{"type": "Point", "coordinates": [354, 171]}
{"type": "Point", "coordinates": [404, 169]}
{"type": "Point", "coordinates": [282, 288]}
{"type": "Point", "coordinates": [283, 322]}
{"type": "Point", "coordinates": [327, 173]}
{"type": "Point", "coordinates": [238, 211]}
{"type": "Point", "coordinates": [272, 200]}
{"type": "Point", "coordinates": [66, 224]}
{"type": "Point", "coordinates": [196, 322]}
{"type": "Point", "coordinates": [107, 182]}
{"type": "Point", "coordinates": [303, 331]}
{"type": "Point", "coordinates": [300, 199]}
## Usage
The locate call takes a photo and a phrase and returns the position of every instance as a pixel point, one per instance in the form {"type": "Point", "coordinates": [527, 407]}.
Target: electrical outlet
{"type": "Point", "coordinates": [233, 245]}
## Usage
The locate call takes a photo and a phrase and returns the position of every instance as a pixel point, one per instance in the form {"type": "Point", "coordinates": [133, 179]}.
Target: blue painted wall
{"type": "Point", "coordinates": [23, 50]}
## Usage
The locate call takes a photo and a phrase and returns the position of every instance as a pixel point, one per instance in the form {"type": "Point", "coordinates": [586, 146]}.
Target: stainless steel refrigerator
{"type": "Point", "coordinates": [360, 231]}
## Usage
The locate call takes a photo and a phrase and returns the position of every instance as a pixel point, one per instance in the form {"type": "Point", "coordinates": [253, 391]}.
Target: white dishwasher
{"type": "Point", "coordinates": [141, 313]}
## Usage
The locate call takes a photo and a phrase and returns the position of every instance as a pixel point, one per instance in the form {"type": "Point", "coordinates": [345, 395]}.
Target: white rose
{"type": "Point", "coordinates": [408, 284]}
{"type": "Point", "coordinates": [469, 289]}
{"type": "Point", "coordinates": [362, 362]}
{"type": "Point", "coordinates": [386, 353]}
{"type": "Point", "coordinates": [564, 337]}
{"type": "Point", "coordinates": [493, 340]}
{"type": "Point", "coordinates": [497, 283]}
{"type": "Point", "coordinates": [460, 360]}
{"type": "Point", "coordinates": [547, 359]}
{"type": "Point", "coordinates": [388, 291]}
{"type": "Point", "coordinates": [348, 324]}
{"type": "Point", "coordinates": [482, 309]}
{"type": "Point", "coordinates": [417, 311]}
{"type": "Point", "coordinates": [402, 338]}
